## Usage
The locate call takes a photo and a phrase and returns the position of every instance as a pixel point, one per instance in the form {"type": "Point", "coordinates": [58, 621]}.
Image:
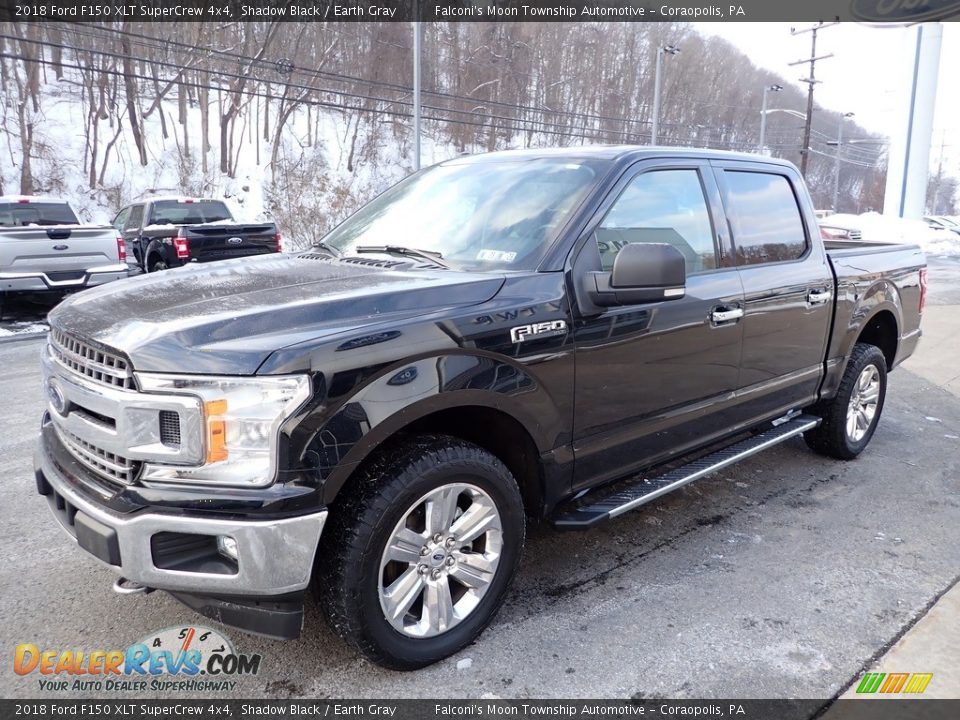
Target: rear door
{"type": "Point", "coordinates": [787, 285]}
{"type": "Point", "coordinates": [654, 379]}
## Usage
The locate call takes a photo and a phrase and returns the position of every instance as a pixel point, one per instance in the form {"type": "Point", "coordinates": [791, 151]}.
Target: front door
{"type": "Point", "coordinates": [656, 378]}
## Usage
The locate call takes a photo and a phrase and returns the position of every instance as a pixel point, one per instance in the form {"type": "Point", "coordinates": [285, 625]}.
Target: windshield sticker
{"type": "Point", "coordinates": [496, 256]}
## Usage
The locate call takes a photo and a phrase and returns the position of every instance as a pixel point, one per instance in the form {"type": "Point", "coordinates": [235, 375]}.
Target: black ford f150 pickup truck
{"type": "Point", "coordinates": [513, 335]}
{"type": "Point", "coordinates": [162, 233]}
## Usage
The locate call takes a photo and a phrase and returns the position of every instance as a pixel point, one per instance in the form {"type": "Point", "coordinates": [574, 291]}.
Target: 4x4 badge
{"type": "Point", "coordinates": [538, 330]}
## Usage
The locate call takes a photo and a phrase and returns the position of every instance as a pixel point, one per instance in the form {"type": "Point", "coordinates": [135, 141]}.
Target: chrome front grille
{"type": "Point", "coordinates": [100, 366]}
{"type": "Point", "coordinates": [109, 466]}
{"type": "Point", "coordinates": [856, 235]}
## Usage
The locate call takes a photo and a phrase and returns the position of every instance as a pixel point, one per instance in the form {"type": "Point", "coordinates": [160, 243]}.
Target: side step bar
{"type": "Point", "coordinates": [647, 489]}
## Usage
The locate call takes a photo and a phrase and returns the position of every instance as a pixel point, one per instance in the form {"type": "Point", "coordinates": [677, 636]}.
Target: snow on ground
{"type": "Point", "coordinates": [884, 228]}
{"type": "Point", "coordinates": [25, 327]}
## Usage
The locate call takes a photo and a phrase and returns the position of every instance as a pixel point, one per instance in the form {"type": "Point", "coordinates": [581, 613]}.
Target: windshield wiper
{"type": "Point", "coordinates": [321, 245]}
{"type": "Point", "coordinates": [428, 255]}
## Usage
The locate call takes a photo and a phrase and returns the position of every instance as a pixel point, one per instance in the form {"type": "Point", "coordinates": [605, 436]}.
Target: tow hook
{"type": "Point", "coordinates": [128, 587]}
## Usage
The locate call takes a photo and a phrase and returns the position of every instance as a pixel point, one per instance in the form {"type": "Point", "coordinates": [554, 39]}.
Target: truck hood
{"type": "Point", "coordinates": [228, 317]}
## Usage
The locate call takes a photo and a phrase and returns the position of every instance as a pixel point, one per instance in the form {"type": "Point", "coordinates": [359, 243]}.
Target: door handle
{"type": "Point", "coordinates": [818, 297]}
{"type": "Point", "coordinates": [724, 315]}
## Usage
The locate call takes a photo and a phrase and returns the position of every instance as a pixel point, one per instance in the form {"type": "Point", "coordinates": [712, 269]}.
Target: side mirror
{"type": "Point", "coordinates": [642, 272]}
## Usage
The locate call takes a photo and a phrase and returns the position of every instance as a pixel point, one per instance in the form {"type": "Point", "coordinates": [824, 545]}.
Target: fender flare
{"type": "Point", "coordinates": [156, 246]}
{"type": "Point", "coordinates": [881, 296]}
{"type": "Point", "coordinates": [402, 394]}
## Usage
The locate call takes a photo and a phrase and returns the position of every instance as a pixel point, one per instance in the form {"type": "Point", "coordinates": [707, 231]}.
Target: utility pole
{"type": "Point", "coordinates": [661, 51]}
{"type": "Point", "coordinates": [836, 168]}
{"type": "Point", "coordinates": [811, 82]}
{"type": "Point", "coordinates": [763, 114]}
{"type": "Point", "coordinates": [416, 89]}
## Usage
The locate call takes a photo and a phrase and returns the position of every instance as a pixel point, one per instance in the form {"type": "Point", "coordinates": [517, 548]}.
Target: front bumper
{"type": "Point", "coordinates": [41, 282]}
{"type": "Point", "coordinates": [274, 557]}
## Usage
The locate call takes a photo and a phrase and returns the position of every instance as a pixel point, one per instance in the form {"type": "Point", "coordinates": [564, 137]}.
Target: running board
{"type": "Point", "coordinates": [647, 489]}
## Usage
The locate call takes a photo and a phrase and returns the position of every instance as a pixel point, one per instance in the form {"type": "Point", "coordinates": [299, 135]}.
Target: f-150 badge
{"type": "Point", "coordinates": [538, 330]}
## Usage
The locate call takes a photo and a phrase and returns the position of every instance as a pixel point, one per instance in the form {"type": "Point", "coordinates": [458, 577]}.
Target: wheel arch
{"type": "Point", "coordinates": [882, 331]}
{"type": "Point", "coordinates": [155, 248]}
{"type": "Point", "coordinates": [489, 401]}
{"type": "Point", "coordinates": [474, 419]}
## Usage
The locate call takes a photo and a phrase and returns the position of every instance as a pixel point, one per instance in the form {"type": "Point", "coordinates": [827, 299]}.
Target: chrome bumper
{"type": "Point", "coordinates": [274, 556]}
{"type": "Point", "coordinates": [40, 282]}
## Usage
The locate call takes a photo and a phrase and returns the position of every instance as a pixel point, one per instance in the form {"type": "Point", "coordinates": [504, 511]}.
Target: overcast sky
{"type": "Point", "coordinates": [864, 75]}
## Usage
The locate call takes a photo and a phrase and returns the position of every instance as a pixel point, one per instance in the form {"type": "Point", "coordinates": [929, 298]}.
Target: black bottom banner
{"type": "Point", "coordinates": [858, 709]}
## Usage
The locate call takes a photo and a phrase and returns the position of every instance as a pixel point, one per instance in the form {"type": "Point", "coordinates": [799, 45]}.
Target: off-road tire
{"type": "Point", "coordinates": [831, 437]}
{"type": "Point", "coordinates": [361, 521]}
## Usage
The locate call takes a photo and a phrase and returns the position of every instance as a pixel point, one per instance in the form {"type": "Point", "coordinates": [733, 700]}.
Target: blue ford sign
{"type": "Point", "coordinates": [57, 399]}
{"type": "Point", "coordinates": [904, 10]}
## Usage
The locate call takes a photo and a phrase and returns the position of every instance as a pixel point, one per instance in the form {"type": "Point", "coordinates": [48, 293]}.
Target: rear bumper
{"type": "Point", "coordinates": [42, 282]}
{"type": "Point", "coordinates": [166, 551]}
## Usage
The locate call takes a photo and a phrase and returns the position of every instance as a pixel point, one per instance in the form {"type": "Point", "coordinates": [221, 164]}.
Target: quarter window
{"type": "Point", "coordinates": [765, 218]}
{"type": "Point", "coordinates": [661, 206]}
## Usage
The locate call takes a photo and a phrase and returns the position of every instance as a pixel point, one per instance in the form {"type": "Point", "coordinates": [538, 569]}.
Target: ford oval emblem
{"type": "Point", "coordinates": [61, 247]}
{"type": "Point", "coordinates": [903, 10]}
{"type": "Point", "coordinates": [235, 240]}
{"type": "Point", "coordinates": [57, 399]}
{"type": "Point", "coordinates": [407, 375]}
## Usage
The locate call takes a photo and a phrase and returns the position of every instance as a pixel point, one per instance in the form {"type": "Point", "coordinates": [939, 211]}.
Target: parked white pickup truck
{"type": "Point", "coordinates": [44, 248]}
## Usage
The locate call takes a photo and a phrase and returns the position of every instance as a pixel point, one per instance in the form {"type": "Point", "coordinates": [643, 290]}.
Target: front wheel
{"type": "Point", "coordinates": [416, 559]}
{"type": "Point", "coordinates": [850, 418]}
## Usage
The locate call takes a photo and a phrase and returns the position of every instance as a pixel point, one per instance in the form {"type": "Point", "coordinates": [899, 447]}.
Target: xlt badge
{"type": "Point", "coordinates": [538, 330]}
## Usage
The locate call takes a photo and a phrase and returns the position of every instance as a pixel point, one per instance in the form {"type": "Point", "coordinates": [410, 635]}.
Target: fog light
{"type": "Point", "coordinates": [227, 546]}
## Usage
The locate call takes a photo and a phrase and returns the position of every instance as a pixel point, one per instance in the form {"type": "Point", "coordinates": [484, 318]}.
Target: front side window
{"type": "Point", "coordinates": [661, 206]}
{"type": "Point", "coordinates": [120, 221]}
{"type": "Point", "coordinates": [492, 214]}
{"type": "Point", "coordinates": [764, 217]}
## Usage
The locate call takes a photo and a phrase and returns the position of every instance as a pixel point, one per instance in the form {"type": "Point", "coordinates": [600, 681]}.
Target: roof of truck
{"type": "Point", "coordinates": [615, 152]}
{"type": "Point", "coordinates": [31, 199]}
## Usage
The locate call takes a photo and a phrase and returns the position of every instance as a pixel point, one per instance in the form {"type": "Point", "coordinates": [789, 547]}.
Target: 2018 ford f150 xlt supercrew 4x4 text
{"type": "Point", "coordinates": [527, 333]}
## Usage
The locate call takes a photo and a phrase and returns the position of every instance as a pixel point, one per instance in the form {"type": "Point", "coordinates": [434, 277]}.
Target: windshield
{"type": "Point", "coordinates": [477, 215]}
{"type": "Point", "coordinates": [195, 212]}
{"type": "Point", "coordinates": [13, 214]}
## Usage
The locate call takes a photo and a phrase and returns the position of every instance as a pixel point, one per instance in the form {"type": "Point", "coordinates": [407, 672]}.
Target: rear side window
{"type": "Point", "coordinates": [14, 214]}
{"type": "Point", "coordinates": [661, 206]}
{"type": "Point", "coordinates": [135, 219]}
{"type": "Point", "coordinates": [765, 218]}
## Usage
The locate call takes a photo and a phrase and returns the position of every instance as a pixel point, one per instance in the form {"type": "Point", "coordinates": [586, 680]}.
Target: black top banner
{"type": "Point", "coordinates": [872, 11]}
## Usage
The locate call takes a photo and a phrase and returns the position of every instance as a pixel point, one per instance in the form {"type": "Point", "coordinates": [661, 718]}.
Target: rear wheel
{"type": "Point", "coordinates": [156, 264]}
{"type": "Point", "coordinates": [416, 560]}
{"type": "Point", "coordinates": [850, 418]}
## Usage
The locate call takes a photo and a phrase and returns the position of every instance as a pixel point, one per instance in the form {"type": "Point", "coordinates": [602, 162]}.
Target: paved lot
{"type": "Point", "coordinates": [782, 577]}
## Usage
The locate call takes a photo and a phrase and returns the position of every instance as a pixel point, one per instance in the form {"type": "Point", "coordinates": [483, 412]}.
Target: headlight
{"type": "Point", "coordinates": [241, 420]}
